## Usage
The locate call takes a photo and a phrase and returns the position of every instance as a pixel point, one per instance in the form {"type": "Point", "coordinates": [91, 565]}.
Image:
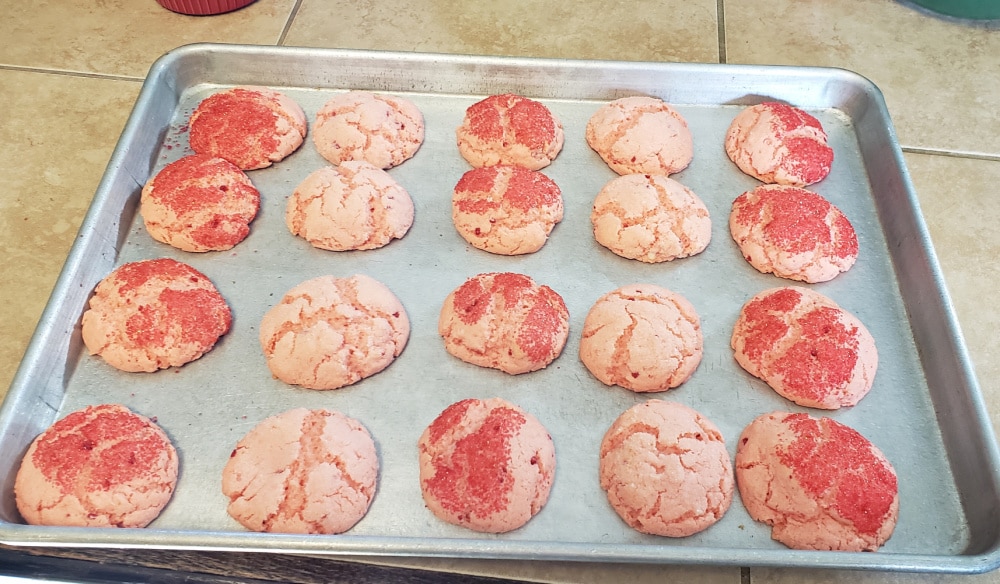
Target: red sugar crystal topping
{"type": "Point", "coordinates": [829, 456]}
{"type": "Point", "coordinates": [112, 445]}
{"type": "Point", "coordinates": [476, 479]}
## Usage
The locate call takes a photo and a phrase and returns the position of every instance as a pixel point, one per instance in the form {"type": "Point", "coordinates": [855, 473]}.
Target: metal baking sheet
{"type": "Point", "coordinates": [925, 410]}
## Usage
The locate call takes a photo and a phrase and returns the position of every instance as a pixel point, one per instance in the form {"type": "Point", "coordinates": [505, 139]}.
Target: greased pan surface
{"type": "Point", "coordinates": [924, 411]}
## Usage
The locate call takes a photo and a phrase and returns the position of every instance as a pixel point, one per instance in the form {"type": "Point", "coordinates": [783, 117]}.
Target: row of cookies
{"type": "Point", "coordinates": [329, 332]}
{"type": "Point", "coordinates": [486, 465]}
{"type": "Point", "coordinates": [202, 203]}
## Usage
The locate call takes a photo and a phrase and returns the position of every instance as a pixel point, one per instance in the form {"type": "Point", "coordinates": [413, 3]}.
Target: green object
{"type": "Point", "coordinates": [974, 9]}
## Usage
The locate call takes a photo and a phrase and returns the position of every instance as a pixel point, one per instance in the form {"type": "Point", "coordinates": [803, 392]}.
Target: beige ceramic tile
{"type": "Point", "coordinates": [671, 30]}
{"type": "Point", "coordinates": [959, 201]}
{"type": "Point", "coordinates": [940, 78]}
{"type": "Point", "coordinates": [122, 37]}
{"type": "Point", "coordinates": [60, 131]}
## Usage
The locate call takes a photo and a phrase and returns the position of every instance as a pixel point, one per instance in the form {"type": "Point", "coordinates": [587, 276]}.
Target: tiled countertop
{"type": "Point", "coordinates": [71, 70]}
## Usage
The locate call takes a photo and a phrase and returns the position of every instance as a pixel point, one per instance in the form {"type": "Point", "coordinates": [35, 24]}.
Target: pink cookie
{"type": "Point", "coordinates": [329, 332]}
{"type": "Point", "coordinates": [507, 210]}
{"type": "Point", "coordinates": [154, 314]}
{"type": "Point", "coordinates": [806, 347]}
{"type": "Point", "coordinates": [819, 484]}
{"type": "Point", "coordinates": [352, 206]}
{"type": "Point", "coordinates": [666, 469]}
{"type": "Point", "coordinates": [505, 321]}
{"type": "Point", "coordinates": [641, 135]}
{"type": "Point", "coordinates": [778, 143]}
{"type": "Point", "coordinates": [642, 337]}
{"type": "Point", "coordinates": [509, 129]}
{"type": "Point", "coordinates": [252, 127]}
{"type": "Point", "coordinates": [103, 466]}
{"type": "Point", "coordinates": [650, 218]}
{"type": "Point", "coordinates": [486, 465]}
{"type": "Point", "coordinates": [384, 130]}
{"type": "Point", "coordinates": [199, 203]}
{"type": "Point", "coordinates": [793, 233]}
{"type": "Point", "coordinates": [302, 471]}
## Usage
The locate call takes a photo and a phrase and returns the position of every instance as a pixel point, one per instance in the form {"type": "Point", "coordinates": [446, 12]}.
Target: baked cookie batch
{"type": "Point", "coordinates": [486, 464]}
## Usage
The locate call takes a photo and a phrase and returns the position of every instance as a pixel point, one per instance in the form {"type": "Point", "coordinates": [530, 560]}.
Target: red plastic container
{"type": "Point", "coordinates": [203, 7]}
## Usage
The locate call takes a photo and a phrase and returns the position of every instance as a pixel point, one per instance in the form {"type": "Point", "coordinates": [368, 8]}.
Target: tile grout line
{"type": "Point", "coordinates": [67, 73]}
{"type": "Point", "coordinates": [288, 23]}
{"type": "Point", "coordinates": [951, 153]}
{"type": "Point", "coordinates": [720, 12]}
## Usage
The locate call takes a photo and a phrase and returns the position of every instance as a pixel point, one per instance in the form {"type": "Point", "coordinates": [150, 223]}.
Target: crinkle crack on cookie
{"type": "Point", "coordinates": [353, 206]}
{"type": "Point", "coordinates": [778, 143]}
{"type": "Point", "coordinates": [510, 129]}
{"type": "Point", "coordinates": [643, 338]}
{"type": "Point", "coordinates": [199, 203]}
{"type": "Point", "coordinates": [302, 471]}
{"type": "Point", "coordinates": [154, 314]}
{"type": "Point", "coordinates": [807, 348]}
{"type": "Point", "coordinates": [641, 135]}
{"type": "Point", "coordinates": [650, 218]}
{"type": "Point", "coordinates": [102, 466]}
{"type": "Point", "coordinates": [818, 483]}
{"type": "Point", "coordinates": [505, 321]}
{"type": "Point", "coordinates": [793, 233]}
{"type": "Point", "coordinates": [329, 332]}
{"type": "Point", "coordinates": [666, 470]}
{"type": "Point", "coordinates": [486, 465]}
{"type": "Point", "coordinates": [384, 130]}
{"type": "Point", "coordinates": [252, 127]}
{"type": "Point", "coordinates": [506, 209]}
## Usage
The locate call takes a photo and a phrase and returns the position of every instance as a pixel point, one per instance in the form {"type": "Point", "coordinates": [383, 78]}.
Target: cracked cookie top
{"type": "Point", "coordinates": [384, 130]}
{"type": "Point", "coordinates": [329, 332]}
